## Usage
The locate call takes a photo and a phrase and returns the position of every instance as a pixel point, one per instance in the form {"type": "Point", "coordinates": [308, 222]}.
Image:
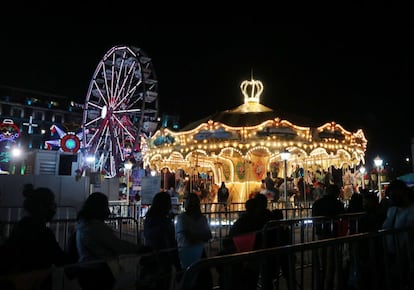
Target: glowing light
{"type": "Point", "coordinates": [256, 89]}
{"type": "Point", "coordinates": [104, 112]}
{"type": "Point", "coordinates": [16, 152]}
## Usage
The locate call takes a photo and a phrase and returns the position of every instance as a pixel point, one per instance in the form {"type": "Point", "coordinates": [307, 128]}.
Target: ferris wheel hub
{"type": "Point", "coordinates": [104, 111]}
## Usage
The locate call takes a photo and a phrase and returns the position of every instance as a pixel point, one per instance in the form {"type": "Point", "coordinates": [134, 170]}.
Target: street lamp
{"type": "Point", "coordinates": [285, 156]}
{"type": "Point", "coordinates": [378, 164]}
{"type": "Point", "coordinates": [90, 159]}
{"type": "Point", "coordinates": [16, 159]}
{"type": "Point", "coordinates": [362, 171]}
{"type": "Point", "coordinates": [128, 167]}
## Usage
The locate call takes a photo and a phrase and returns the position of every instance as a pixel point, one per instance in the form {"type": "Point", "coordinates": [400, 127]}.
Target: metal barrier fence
{"type": "Point", "coordinates": [14, 213]}
{"type": "Point", "coordinates": [220, 218]}
{"type": "Point", "coordinates": [376, 267]}
{"type": "Point", "coordinates": [126, 228]}
{"type": "Point", "coordinates": [9, 216]}
{"type": "Point", "coordinates": [128, 221]}
{"type": "Point", "coordinates": [379, 269]}
{"type": "Point", "coordinates": [137, 210]}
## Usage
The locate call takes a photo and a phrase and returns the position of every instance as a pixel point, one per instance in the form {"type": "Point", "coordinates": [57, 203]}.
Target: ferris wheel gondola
{"type": "Point", "coordinates": [121, 108]}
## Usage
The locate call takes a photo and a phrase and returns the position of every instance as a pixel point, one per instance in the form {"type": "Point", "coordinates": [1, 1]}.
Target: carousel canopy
{"type": "Point", "coordinates": [246, 115]}
{"type": "Point", "coordinates": [254, 134]}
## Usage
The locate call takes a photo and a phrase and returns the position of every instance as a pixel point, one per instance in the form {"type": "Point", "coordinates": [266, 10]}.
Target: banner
{"type": "Point", "coordinates": [150, 186]}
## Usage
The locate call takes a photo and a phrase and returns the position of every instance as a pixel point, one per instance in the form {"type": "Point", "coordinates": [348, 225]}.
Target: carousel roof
{"type": "Point", "coordinates": [245, 115]}
{"type": "Point", "coordinates": [251, 113]}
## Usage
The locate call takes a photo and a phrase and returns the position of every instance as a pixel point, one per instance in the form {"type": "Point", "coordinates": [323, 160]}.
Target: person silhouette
{"type": "Point", "coordinates": [32, 245]}
{"type": "Point", "coordinates": [223, 196]}
{"type": "Point", "coordinates": [97, 243]}
{"type": "Point", "coordinates": [192, 231]}
{"type": "Point", "coordinates": [159, 237]}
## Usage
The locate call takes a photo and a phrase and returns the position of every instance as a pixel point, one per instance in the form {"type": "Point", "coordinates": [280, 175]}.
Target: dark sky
{"type": "Point", "coordinates": [359, 76]}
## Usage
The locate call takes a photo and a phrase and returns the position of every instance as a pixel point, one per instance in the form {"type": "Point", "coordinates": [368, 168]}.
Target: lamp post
{"type": "Point", "coordinates": [90, 159]}
{"type": "Point", "coordinates": [378, 164]}
{"type": "Point", "coordinates": [128, 167]}
{"type": "Point", "coordinates": [285, 156]}
{"type": "Point", "coordinates": [362, 171]}
{"type": "Point", "coordinates": [16, 155]}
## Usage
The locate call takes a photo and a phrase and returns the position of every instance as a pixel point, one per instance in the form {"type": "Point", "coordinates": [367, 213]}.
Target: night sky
{"type": "Point", "coordinates": [360, 77]}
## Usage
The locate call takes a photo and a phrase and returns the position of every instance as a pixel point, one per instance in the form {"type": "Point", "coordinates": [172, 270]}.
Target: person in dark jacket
{"type": "Point", "coordinates": [223, 196]}
{"type": "Point", "coordinates": [257, 214]}
{"type": "Point", "coordinates": [32, 245]}
{"type": "Point", "coordinates": [328, 206]}
{"type": "Point", "coordinates": [159, 237]}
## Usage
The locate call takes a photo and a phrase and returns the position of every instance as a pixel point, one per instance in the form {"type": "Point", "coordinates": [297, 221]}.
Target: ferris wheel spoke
{"type": "Point", "coordinates": [97, 136]}
{"type": "Point", "coordinates": [99, 143]}
{"type": "Point", "coordinates": [136, 101]}
{"type": "Point", "coordinates": [119, 93]}
{"type": "Point", "coordinates": [133, 82]}
{"type": "Point", "coordinates": [120, 149]}
{"type": "Point", "coordinates": [126, 130]}
{"type": "Point", "coordinates": [119, 72]}
{"type": "Point", "coordinates": [107, 76]}
{"type": "Point", "coordinates": [128, 95]}
{"type": "Point", "coordinates": [93, 121]}
{"type": "Point", "coordinates": [127, 76]}
{"type": "Point", "coordinates": [98, 91]}
{"type": "Point", "coordinates": [114, 162]}
{"type": "Point", "coordinates": [92, 104]}
{"type": "Point", "coordinates": [127, 111]}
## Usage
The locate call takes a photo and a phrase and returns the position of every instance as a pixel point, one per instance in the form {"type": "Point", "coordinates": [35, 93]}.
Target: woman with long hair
{"type": "Point", "coordinates": [192, 232]}
{"type": "Point", "coordinates": [159, 238]}
{"type": "Point", "coordinates": [97, 243]}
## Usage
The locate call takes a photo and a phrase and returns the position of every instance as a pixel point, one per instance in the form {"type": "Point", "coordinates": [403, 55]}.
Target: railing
{"type": "Point", "coordinates": [9, 216]}
{"type": "Point", "coordinates": [120, 208]}
{"type": "Point", "coordinates": [13, 213]}
{"type": "Point", "coordinates": [381, 270]}
{"type": "Point", "coordinates": [297, 218]}
{"type": "Point", "coordinates": [126, 228]}
{"type": "Point", "coordinates": [378, 269]}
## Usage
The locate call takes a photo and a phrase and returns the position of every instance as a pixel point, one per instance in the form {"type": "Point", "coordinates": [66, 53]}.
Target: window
{"type": "Point", "coordinates": [38, 116]}
{"type": "Point", "coordinates": [17, 112]}
{"type": "Point", "coordinates": [58, 118]}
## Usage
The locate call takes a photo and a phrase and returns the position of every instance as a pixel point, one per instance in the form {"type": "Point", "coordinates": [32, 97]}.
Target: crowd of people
{"type": "Point", "coordinates": [178, 240]}
{"type": "Point", "coordinates": [394, 210]}
{"type": "Point", "coordinates": [32, 248]}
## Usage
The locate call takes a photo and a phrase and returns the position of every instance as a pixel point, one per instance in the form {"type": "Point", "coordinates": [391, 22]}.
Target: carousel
{"type": "Point", "coordinates": [239, 146]}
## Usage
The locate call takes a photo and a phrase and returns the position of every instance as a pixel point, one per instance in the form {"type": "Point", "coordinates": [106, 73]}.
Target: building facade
{"type": "Point", "coordinates": [31, 121]}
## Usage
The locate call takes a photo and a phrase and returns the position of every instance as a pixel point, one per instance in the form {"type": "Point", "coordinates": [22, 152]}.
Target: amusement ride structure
{"type": "Point", "coordinates": [121, 109]}
{"type": "Point", "coordinates": [238, 146]}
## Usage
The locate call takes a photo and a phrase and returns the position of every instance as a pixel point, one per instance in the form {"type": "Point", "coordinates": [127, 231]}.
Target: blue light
{"type": "Point", "coordinates": [70, 144]}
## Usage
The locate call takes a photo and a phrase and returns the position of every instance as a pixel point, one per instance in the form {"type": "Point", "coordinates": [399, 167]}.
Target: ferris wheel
{"type": "Point", "coordinates": [121, 108]}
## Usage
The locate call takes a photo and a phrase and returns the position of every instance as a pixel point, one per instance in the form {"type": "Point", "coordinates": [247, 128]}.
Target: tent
{"type": "Point", "coordinates": [407, 178]}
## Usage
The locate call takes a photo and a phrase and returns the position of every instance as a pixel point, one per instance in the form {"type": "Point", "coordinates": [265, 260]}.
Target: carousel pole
{"type": "Point", "coordinates": [246, 187]}
{"type": "Point", "coordinates": [362, 171]}
{"type": "Point", "coordinates": [285, 156]}
{"type": "Point", "coordinates": [305, 170]}
{"type": "Point", "coordinates": [378, 164]}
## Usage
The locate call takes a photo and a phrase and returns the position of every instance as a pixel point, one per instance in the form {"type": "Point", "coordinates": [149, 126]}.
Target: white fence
{"type": "Point", "coordinates": [68, 190]}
